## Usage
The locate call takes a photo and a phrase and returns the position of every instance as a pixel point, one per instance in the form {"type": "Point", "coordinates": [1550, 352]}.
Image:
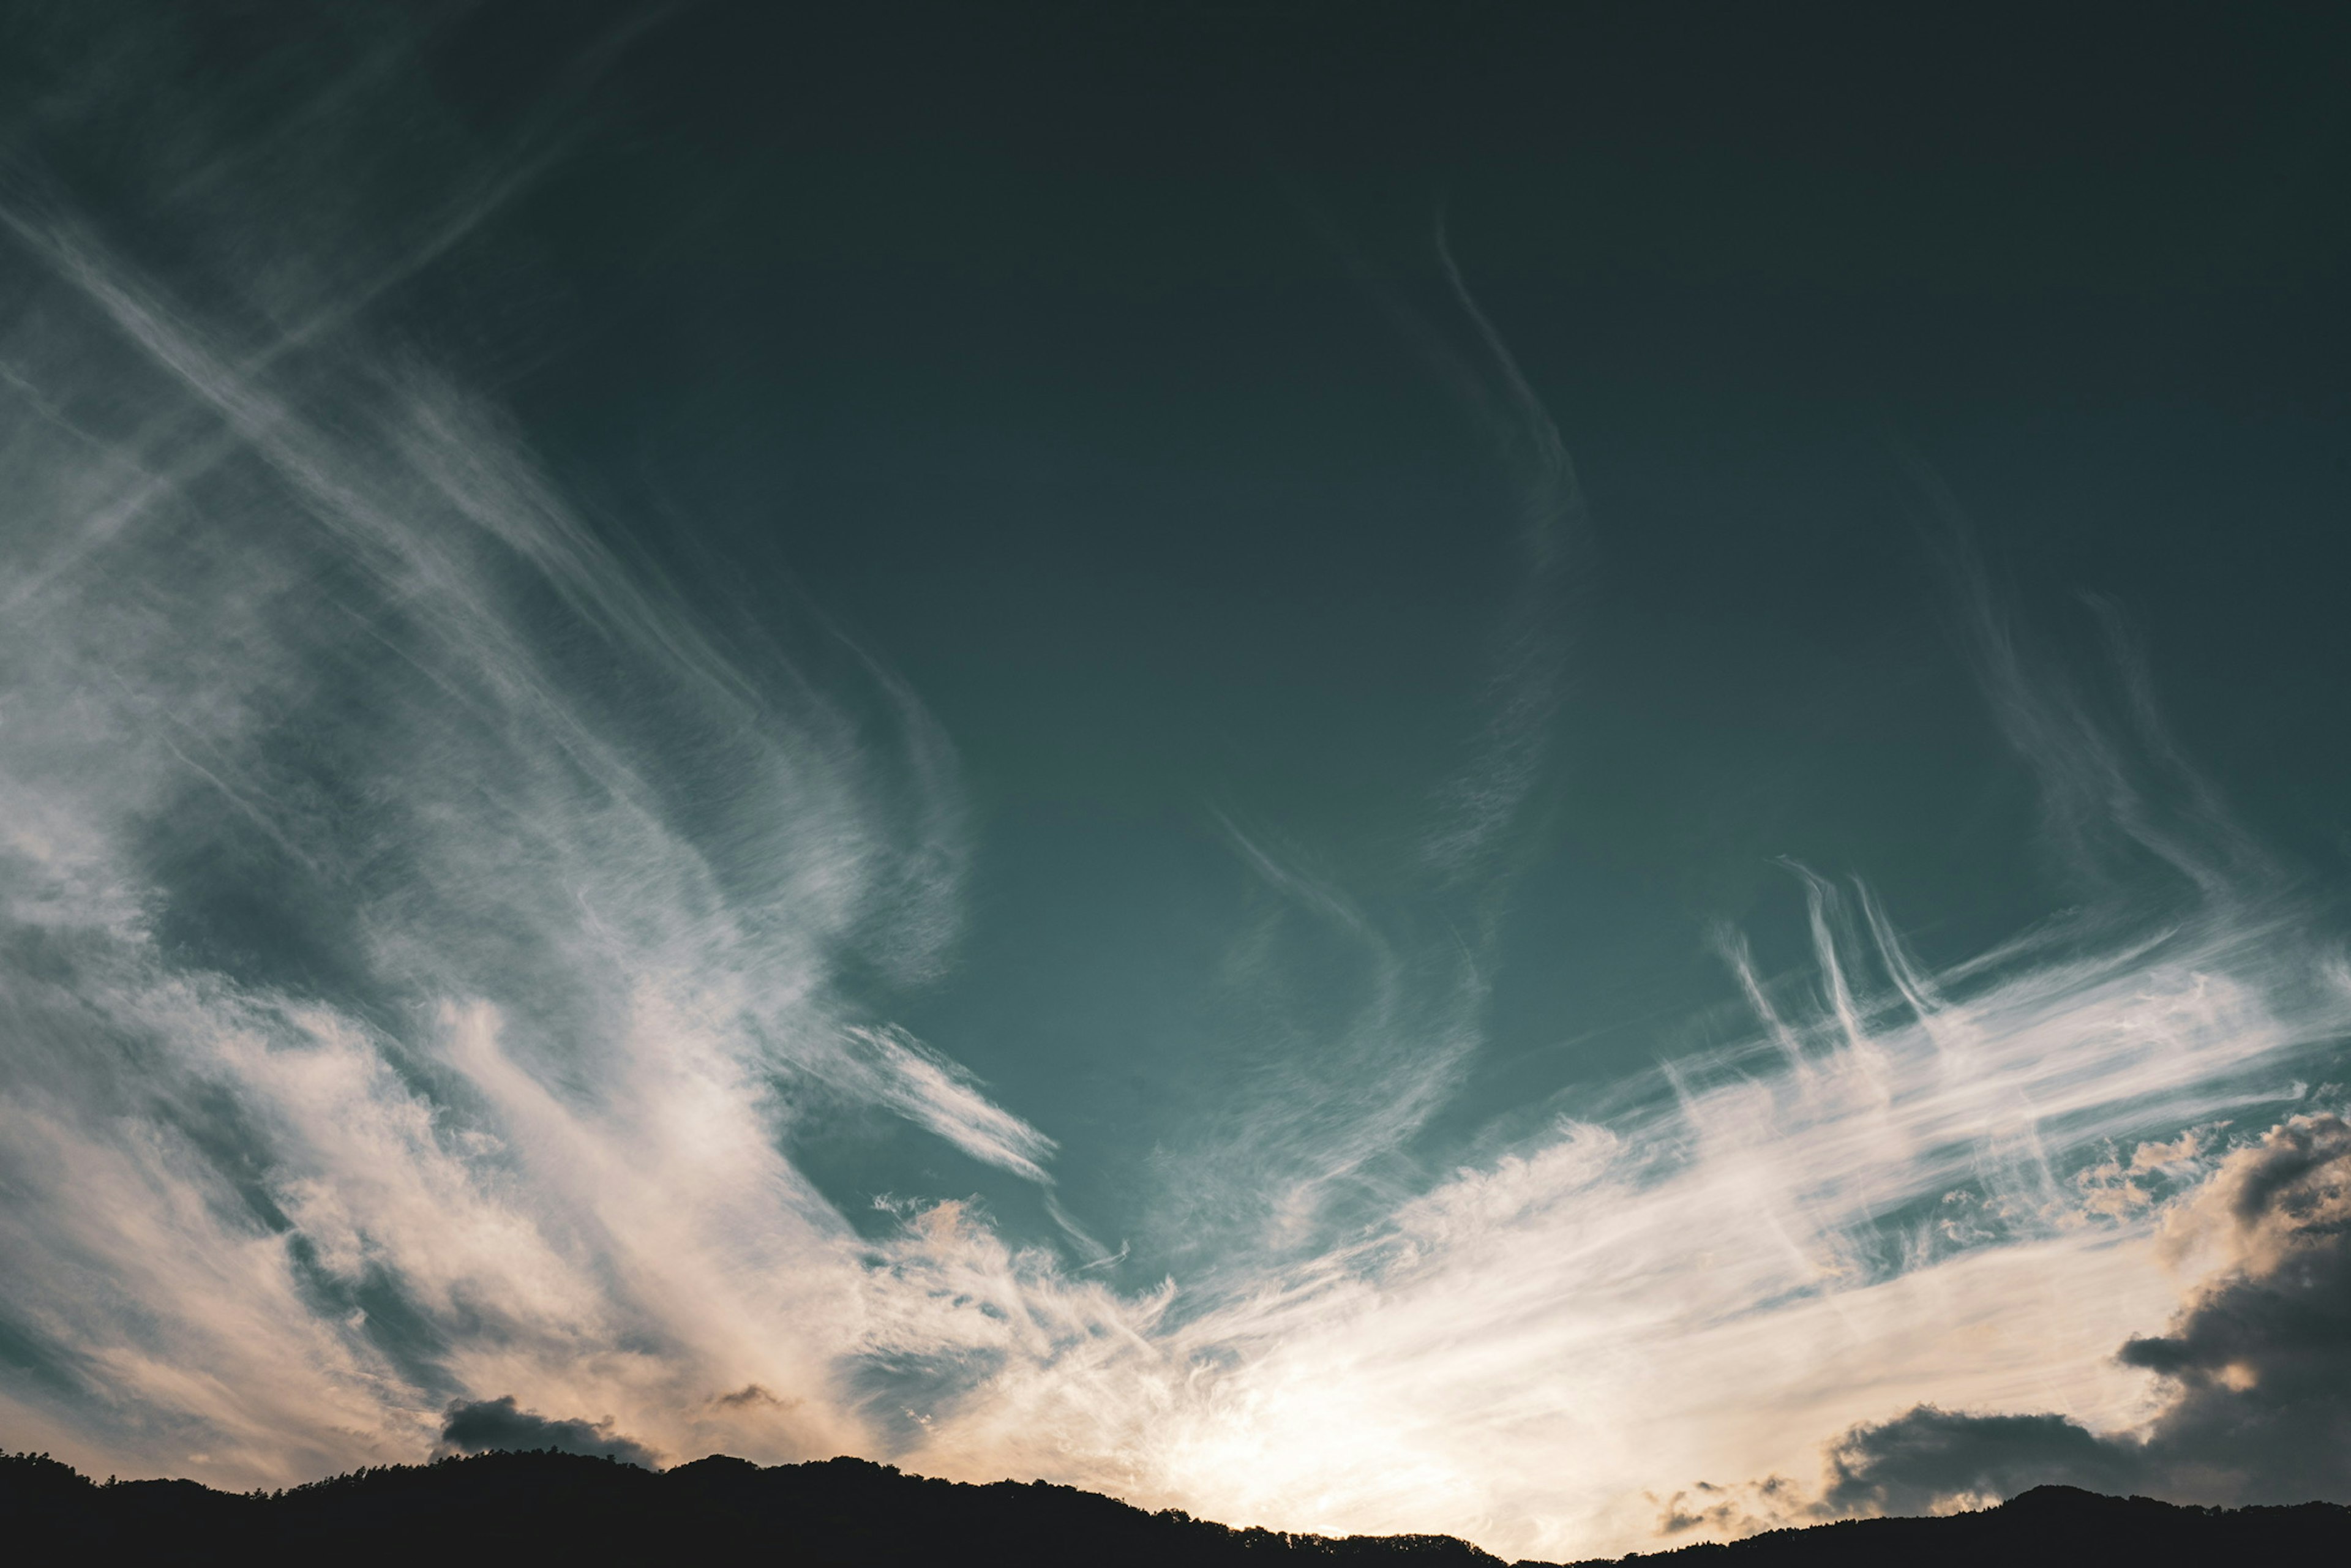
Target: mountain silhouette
{"type": "Point", "coordinates": [509, 1509]}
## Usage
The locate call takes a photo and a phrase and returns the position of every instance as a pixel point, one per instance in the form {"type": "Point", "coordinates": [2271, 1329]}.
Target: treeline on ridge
{"type": "Point", "coordinates": [520, 1508]}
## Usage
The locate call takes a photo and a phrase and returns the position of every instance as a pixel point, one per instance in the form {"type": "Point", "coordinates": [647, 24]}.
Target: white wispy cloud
{"type": "Point", "coordinates": [386, 1029]}
{"type": "Point", "coordinates": [1770, 1249]}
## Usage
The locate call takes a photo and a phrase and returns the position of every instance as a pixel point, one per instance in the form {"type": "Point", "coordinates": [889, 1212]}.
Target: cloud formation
{"type": "Point", "coordinates": [425, 935]}
{"type": "Point", "coordinates": [484, 1426]}
{"type": "Point", "coordinates": [2257, 1364]}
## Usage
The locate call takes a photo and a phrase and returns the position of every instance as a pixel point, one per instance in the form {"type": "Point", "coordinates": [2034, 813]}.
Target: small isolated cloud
{"type": "Point", "coordinates": [1729, 1510]}
{"type": "Point", "coordinates": [2259, 1360]}
{"type": "Point", "coordinates": [487, 1426]}
{"type": "Point", "coordinates": [750, 1397]}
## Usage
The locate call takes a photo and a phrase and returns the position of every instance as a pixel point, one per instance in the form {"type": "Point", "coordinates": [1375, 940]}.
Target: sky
{"type": "Point", "coordinates": [1565, 774]}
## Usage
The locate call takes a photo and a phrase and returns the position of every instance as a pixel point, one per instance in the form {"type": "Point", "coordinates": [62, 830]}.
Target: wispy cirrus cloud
{"type": "Point", "coordinates": [396, 1020]}
{"type": "Point", "coordinates": [1899, 1183]}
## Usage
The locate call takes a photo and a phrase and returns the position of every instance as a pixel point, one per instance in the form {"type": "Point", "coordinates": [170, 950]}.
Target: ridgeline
{"type": "Point", "coordinates": [510, 1509]}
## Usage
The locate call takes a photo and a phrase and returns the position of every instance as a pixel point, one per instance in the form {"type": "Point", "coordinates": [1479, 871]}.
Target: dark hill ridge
{"type": "Point", "coordinates": [2046, 1525]}
{"type": "Point", "coordinates": [511, 1508]}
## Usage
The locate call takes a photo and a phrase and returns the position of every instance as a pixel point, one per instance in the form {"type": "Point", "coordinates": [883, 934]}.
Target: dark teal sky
{"type": "Point", "coordinates": [1054, 354]}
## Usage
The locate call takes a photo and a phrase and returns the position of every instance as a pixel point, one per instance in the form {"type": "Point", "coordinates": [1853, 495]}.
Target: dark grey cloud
{"type": "Point", "coordinates": [2259, 1362]}
{"type": "Point", "coordinates": [1930, 1456]}
{"type": "Point", "coordinates": [485, 1425]}
{"type": "Point", "coordinates": [2263, 1362]}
